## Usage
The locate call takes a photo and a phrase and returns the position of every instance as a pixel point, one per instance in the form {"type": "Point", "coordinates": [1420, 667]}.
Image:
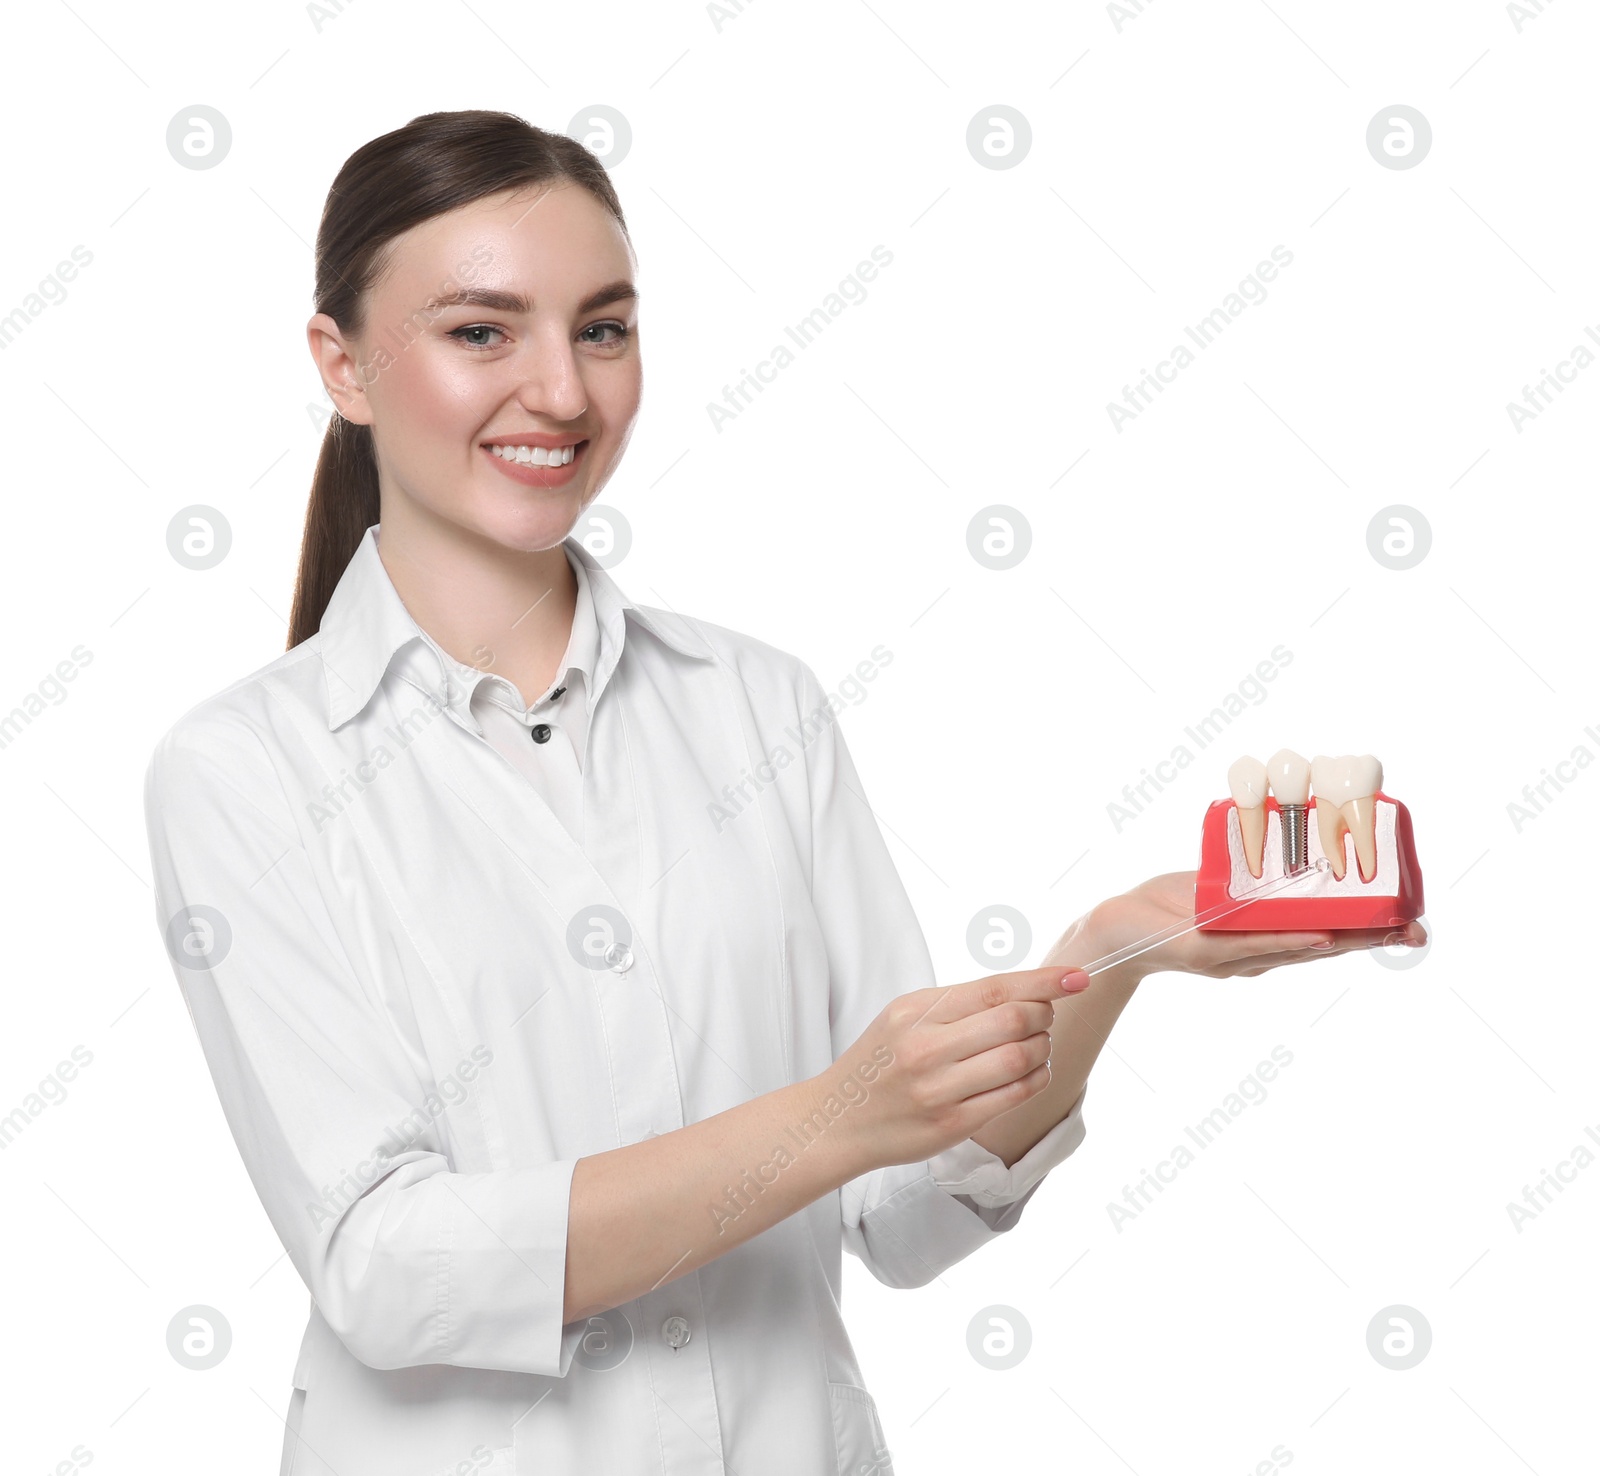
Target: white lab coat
{"type": "Point", "coordinates": [422, 1000]}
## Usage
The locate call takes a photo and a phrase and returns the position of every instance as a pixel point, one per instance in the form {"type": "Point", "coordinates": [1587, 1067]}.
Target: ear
{"type": "Point", "coordinates": [339, 365]}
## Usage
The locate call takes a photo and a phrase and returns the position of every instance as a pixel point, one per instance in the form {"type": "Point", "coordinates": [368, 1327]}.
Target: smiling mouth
{"type": "Point", "coordinates": [536, 455]}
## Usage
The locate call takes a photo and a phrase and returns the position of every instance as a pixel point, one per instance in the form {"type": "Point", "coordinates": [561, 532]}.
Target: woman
{"type": "Point", "coordinates": [560, 992]}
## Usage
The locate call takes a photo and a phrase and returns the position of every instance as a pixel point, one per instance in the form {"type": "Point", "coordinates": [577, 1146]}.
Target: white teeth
{"type": "Point", "coordinates": [1327, 778]}
{"type": "Point", "coordinates": [1323, 770]}
{"type": "Point", "coordinates": [1345, 806]}
{"type": "Point", "coordinates": [1366, 775]}
{"type": "Point", "coordinates": [1247, 782]}
{"type": "Point", "coordinates": [535, 455]}
{"type": "Point", "coordinates": [1290, 776]}
{"type": "Point", "coordinates": [1362, 780]}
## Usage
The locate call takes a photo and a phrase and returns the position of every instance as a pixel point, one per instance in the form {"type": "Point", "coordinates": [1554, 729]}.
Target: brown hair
{"type": "Point", "coordinates": [437, 162]}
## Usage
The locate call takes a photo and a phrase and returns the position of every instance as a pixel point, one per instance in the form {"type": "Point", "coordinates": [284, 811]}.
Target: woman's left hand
{"type": "Point", "coordinates": [1165, 900]}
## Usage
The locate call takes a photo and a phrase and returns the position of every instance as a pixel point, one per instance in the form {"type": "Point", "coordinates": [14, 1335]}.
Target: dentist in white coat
{"type": "Point", "coordinates": [557, 985]}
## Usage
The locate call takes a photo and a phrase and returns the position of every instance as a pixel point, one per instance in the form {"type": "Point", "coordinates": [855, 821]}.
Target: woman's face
{"type": "Point", "coordinates": [542, 348]}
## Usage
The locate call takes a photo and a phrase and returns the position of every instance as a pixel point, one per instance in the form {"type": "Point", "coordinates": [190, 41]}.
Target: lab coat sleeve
{"type": "Point", "coordinates": [981, 1179]}
{"type": "Point", "coordinates": [907, 1222]}
{"type": "Point", "coordinates": [408, 1261]}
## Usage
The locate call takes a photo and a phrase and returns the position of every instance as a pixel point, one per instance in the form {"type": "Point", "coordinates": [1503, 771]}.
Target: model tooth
{"type": "Point", "coordinates": [1290, 776]}
{"type": "Point", "coordinates": [1327, 781]}
{"type": "Point", "coordinates": [1363, 778]}
{"type": "Point", "coordinates": [1247, 782]}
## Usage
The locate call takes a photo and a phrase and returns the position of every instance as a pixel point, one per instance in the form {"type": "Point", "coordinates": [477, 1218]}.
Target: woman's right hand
{"type": "Point", "coordinates": [937, 1064]}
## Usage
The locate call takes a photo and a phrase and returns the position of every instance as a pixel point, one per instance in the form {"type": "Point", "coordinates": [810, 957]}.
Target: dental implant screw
{"type": "Point", "coordinates": [1296, 856]}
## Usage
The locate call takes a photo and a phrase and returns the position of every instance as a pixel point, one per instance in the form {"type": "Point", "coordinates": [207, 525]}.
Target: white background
{"type": "Point", "coordinates": [1171, 151]}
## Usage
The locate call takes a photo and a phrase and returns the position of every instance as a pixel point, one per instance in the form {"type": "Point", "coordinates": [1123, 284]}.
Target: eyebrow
{"type": "Point", "coordinates": [515, 302]}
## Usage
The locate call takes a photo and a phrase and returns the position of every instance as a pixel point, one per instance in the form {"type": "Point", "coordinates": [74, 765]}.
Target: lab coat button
{"type": "Point", "coordinates": [620, 957]}
{"type": "Point", "coordinates": [676, 1331]}
{"type": "Point", "coordinates": [540, 732]}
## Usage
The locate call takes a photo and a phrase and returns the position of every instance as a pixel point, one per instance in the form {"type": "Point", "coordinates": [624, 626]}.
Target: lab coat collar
{"type": "Point", "coordinates": [434, 671]}
{"type": "Point", "coordinates": [367, 623]}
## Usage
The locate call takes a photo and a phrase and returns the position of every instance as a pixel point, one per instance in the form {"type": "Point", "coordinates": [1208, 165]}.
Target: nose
{"type": "Point", "coordinates": [551, 384]}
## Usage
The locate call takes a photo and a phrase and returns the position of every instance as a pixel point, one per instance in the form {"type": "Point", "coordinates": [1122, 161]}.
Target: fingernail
{"type": "Point", "coordinates": [1075, 981]}
{"type": "Point", "coordinates": [1326, 943]}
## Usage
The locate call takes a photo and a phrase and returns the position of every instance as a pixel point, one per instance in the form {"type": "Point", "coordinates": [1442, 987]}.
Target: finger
{"type": "Point", "coordinates": [1016, 1019]}
{"type": "Point", "coordinates": [1249, 945]}
{"type": "Point", "coordinates": [1261, 962]}
{"type": "Point", "coordinates": [1348, 940]}
{"type": "Point", "coordinates": [988, 1105]}
{"type": "Point", "coordinates": [991, 1104]}
{"type": "Point", "coordinates": [1238, 947]}
{"type": "Point", "coordinates": [1054, 982]}
{"type": "Point", "coordinates": [1249, 968]}
{"type": "Point", "coordinates": [1000, 1065]}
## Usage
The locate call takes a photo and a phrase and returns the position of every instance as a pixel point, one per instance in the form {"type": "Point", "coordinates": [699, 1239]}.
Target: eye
{"type": "Point", "coordinates": [622, 332]}
{"type": "Point", "coordinates": [460, 334]}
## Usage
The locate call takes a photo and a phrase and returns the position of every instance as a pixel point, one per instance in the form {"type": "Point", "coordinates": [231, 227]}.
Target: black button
{"type": "Point", "coordinates": [558, 691]}
{"type": "Point", "coordinates": [541, 732]}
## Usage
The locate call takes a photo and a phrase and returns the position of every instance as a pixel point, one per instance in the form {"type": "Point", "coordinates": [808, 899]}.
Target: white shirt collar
{"type": "Point", "coordinates": [582, 656]}
{"type": "Point", "coordinates": [366, 624]}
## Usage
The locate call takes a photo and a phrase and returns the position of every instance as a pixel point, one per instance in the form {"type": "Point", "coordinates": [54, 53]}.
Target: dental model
{"type": "Point", "coordinates": [1247, 782]}
{"type": "Point", "coordinates": [1303, 872]}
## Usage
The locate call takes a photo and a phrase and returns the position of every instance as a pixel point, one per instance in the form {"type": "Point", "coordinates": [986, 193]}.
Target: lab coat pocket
{"type": "Point", "coordinates": [857, 1432]}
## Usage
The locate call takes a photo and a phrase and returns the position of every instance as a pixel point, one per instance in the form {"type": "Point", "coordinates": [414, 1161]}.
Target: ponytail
{"type": "Point", "coordinates": [344, 504]}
